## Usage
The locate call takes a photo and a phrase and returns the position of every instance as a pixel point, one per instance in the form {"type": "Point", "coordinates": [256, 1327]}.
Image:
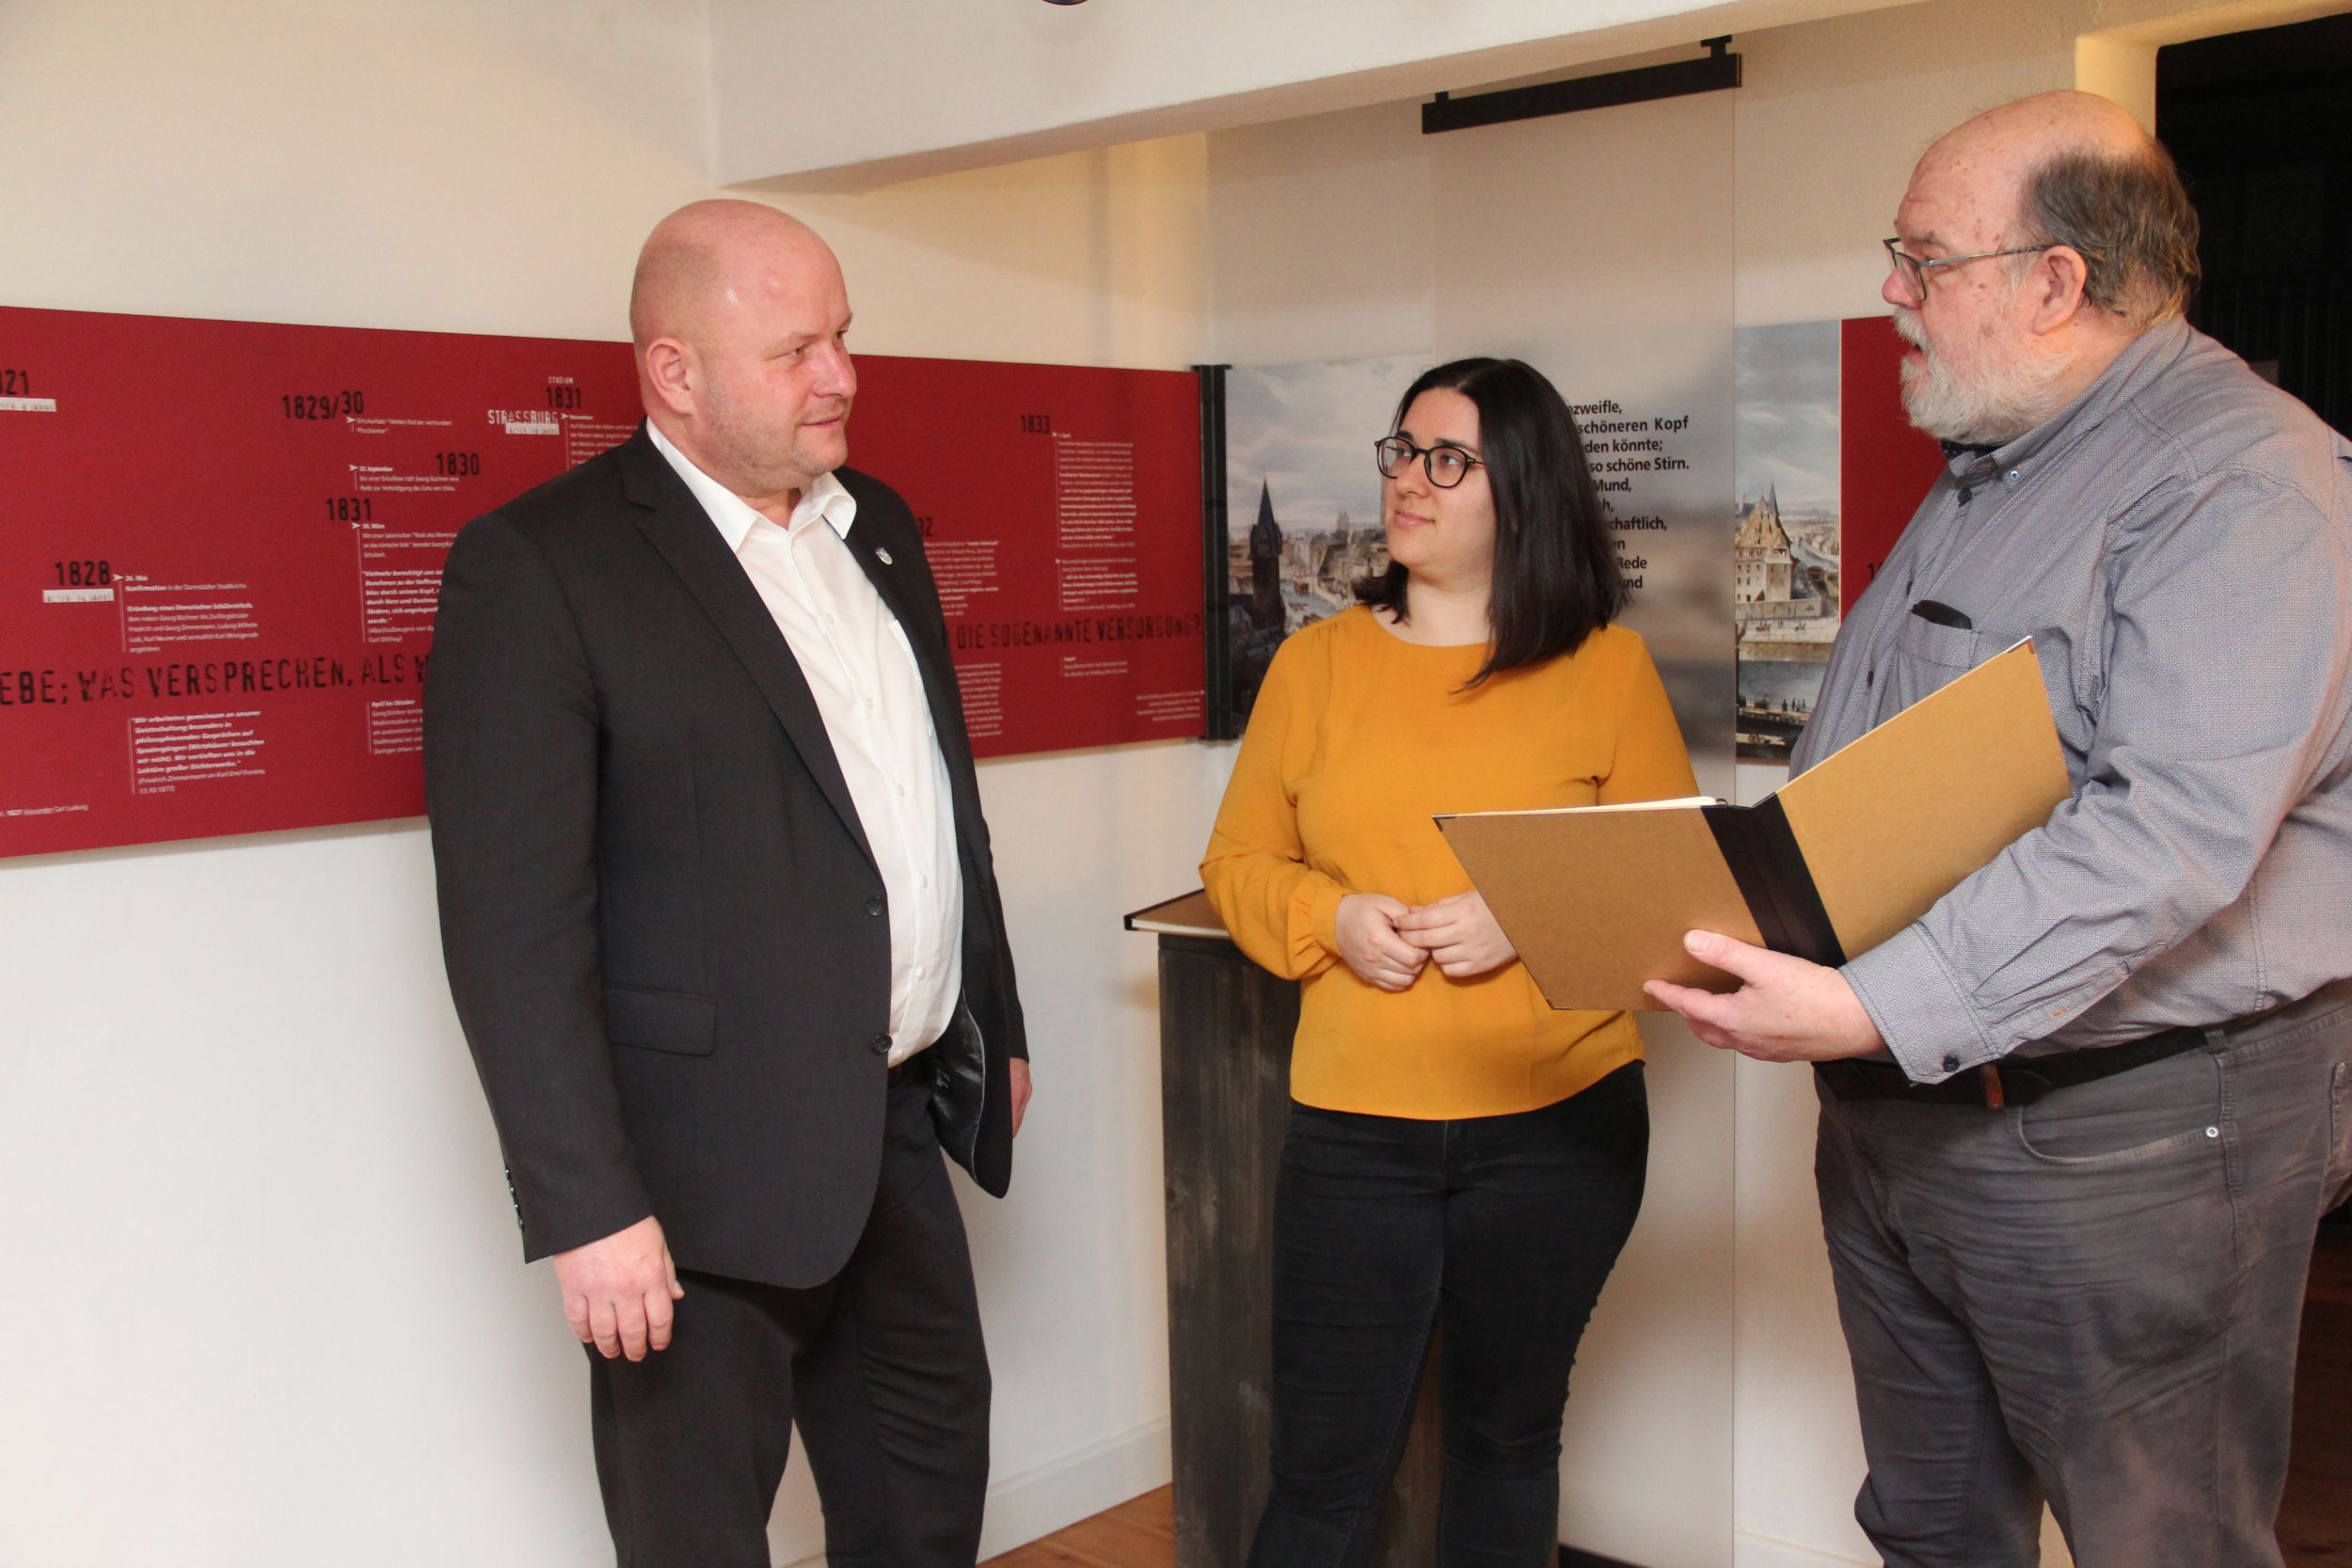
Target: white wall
{"type": "Point", "coordinates": [266, 1306]}
{"type": "Point", "coordinates": [265, 1310]}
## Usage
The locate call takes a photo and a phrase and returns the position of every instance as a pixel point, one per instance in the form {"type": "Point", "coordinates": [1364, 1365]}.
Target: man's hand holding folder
{"type": "Point", "coordinates": [1786, 1010]}
{"type": "Point", "coordinates": [1738, 917]}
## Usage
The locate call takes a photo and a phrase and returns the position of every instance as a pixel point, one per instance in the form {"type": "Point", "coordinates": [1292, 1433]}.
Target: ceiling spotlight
{"type": "Point", "coordinates": [1065, 2]}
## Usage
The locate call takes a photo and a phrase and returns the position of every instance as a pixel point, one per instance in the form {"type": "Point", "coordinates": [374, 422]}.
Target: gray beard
{"type": "Point", "coordinates": [1987, 407]}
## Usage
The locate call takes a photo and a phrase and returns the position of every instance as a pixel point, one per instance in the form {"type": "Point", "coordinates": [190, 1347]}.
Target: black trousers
{"type": "Point", "coordinates": [882, 1366]}
{"type": "Point", "coordinates": [1502, 1227]}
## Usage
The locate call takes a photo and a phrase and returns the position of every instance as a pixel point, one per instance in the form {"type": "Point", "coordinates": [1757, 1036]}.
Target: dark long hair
{"type": "Point", "coordinates": [1555, 574]}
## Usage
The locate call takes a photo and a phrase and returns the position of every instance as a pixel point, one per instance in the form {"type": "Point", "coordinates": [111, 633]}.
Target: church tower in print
{"type": "Point", "coordinates": [1265, 564]}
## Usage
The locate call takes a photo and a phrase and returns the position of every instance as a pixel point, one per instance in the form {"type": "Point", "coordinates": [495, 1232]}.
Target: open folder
{"type": "Point", "coordinates": [1597, 898]}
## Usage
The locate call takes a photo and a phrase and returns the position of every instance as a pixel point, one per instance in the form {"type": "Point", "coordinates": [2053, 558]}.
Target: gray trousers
{"type": "Point", "coordinates": [2094, 1299]}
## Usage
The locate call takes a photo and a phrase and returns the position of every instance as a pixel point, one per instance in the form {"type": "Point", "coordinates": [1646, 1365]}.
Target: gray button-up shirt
{"type": "Point", "coordinates": [2178, 544]}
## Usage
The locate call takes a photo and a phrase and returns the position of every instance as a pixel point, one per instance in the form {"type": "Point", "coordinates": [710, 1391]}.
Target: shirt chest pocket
{"type": "Point", "coordinates": [1929, 656]}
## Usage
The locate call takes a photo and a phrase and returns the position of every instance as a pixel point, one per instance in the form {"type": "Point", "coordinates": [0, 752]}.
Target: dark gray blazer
{"type": "Point", "coordinates": [664, 931]}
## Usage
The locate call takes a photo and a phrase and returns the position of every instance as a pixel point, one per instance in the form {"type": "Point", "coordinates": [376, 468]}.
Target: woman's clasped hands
{"type": "Point", "coordinates": [1387, 941]}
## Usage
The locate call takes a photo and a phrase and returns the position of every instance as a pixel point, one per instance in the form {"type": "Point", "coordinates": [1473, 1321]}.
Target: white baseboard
{"type": "Point", "coordinates": [1749, 1550]}
{"type": "Point", "coordinates": [1041, 1500]}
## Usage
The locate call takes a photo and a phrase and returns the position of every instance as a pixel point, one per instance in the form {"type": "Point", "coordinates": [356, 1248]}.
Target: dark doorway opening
{"type": "Point", "coordinates": [2259, 123]}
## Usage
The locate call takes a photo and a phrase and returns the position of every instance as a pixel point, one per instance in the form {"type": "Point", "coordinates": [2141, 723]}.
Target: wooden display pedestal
{"type": "Point", "coordinates": [1224, 1052]}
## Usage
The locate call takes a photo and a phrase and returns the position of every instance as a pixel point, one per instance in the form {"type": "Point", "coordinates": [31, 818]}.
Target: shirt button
{"type": "Point", "coordinates": [873, 906]}
{"type": "Point", "coordinates": [881, 1045]}
{"type": "Point", "coordinates": [1952, 1063]}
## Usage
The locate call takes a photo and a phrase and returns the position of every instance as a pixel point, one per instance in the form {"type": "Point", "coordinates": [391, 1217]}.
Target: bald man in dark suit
{"type": "Point", "coordinates": [723, 928]}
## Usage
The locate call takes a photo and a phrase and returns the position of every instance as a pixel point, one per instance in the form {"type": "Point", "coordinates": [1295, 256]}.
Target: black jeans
{"type": "Point", "coordinates": [1502, 1227]}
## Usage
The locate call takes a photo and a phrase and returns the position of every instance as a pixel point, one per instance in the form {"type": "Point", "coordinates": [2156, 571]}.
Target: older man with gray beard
{"type": "Point", "coordinates": [2080, 1122]}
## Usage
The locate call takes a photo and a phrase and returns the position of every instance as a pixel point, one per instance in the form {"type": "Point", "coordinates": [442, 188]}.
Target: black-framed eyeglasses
{"type": "Point", "coordinates": [1913, 270]}
{"type": "Point", "coordinates": [1447, 465]}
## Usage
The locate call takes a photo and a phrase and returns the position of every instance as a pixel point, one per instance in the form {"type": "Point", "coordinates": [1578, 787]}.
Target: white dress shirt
{"type": "Point", "coordinates": [861, 669]}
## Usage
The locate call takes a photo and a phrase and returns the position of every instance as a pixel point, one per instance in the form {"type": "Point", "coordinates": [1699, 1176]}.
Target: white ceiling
{"type": "Point", "coordinates": [850, 93]}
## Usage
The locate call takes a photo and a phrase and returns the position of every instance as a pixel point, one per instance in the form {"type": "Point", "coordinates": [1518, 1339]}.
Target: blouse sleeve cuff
{"type": "Point", "coordinates": [1315, 916]}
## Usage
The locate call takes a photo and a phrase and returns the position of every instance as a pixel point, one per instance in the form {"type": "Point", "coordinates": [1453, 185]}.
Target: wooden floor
{"type": "Point", "coordinates": [1137, 1534]}
{"type": "Point", "coordinates": [2314, 1524]}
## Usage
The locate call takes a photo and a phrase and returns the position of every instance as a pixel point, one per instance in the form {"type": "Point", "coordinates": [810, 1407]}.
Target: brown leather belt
{"type": "Point", "coordinates": [2019, 1081]}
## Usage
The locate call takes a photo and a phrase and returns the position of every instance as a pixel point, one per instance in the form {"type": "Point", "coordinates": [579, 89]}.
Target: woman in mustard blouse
{"type": "Point", "coordinates": [1458, 1152]}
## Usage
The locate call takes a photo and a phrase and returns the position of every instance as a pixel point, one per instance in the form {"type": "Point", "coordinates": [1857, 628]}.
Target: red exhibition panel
{"type": "Point", "coordinates": [220, 542]}
{"type": "Point", "coordinates": [1885, 465]}
{"type": "Point", "coordinates": [219, 547]}
{"type": "Point", "coordinates": [1061, 512]}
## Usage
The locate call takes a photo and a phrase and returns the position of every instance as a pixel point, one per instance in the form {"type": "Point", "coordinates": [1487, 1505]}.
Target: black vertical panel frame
{"type": "Point", "coordinates": [1216, 631]}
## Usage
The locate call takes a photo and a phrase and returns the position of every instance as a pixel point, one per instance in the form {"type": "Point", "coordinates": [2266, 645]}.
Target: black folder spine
{"type": "Point", "coordinates": [1761, 851]}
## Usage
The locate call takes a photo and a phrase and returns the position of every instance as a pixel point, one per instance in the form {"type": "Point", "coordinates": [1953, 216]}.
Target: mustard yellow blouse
{"type": "Point", "coordinates": [1358, 739]}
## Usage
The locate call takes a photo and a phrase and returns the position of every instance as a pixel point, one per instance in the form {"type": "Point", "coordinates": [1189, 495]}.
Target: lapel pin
{"type": "Point", "coordinates": [882, 555]}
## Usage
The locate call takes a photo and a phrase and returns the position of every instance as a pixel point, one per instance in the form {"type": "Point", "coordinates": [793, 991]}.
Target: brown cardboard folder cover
{"type": "Point", "coordinates": [1832, 863]}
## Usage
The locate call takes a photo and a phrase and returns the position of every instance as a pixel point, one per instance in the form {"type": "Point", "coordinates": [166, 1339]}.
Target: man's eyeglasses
{"type": "Point", "coordinates": [1446, 465]}
{"type": "Point", "coordinates": [1913, 270]}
